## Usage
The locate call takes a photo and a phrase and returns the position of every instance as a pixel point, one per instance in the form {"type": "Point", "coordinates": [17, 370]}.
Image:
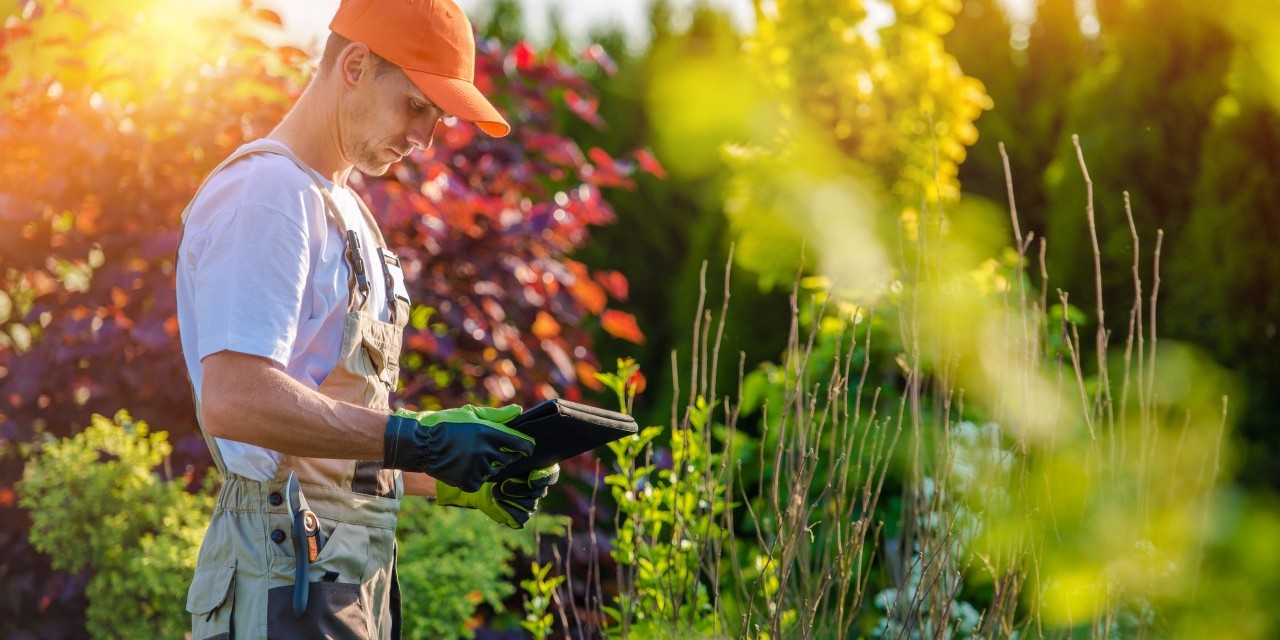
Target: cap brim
{"type": "Point", "coordinates": [461, 99]}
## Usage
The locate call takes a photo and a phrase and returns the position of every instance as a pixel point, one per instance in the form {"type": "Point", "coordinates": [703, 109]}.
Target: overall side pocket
{"type": "Point", "coordinates": [210, 601]}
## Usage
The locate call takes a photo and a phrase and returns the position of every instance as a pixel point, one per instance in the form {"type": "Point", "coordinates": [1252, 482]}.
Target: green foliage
{"type": "Point", "coordinates": [1141, 115]}
{"type": "Point", "coordinates": [667, 520]}
{"type": "Point", "coordinates": [624, 382]}
{"type": "Point", "coordinates": [1065, 527]}
{"type": "Point", "coordinates": [539, 591]}
{"type": "Point", "coordinates": [1232, 227]}
{"type": "Point", "coordinates": [97, 504]}
{"type": "Point", "coordinates": [1176, 104]}
{"type": "Point", "coordinates": [851, 117]}
{"type": "Point", "coordinates": [452, 561]}
{"type": "Point", "coordinates": [1025, 82]}
{"type": "Point", "coordinates": [678, 221]}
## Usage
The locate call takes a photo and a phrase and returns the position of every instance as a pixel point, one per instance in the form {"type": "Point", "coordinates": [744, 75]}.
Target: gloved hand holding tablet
{"type": "Point", "coordinates": [561, 430]}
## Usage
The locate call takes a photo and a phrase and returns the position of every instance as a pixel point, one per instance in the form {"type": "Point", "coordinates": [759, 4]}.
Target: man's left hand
{"type": "Point", "coordinates": [511, 502]}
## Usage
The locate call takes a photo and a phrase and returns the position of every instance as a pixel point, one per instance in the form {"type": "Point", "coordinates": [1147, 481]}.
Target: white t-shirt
{"type": "Point", "coordinates": [261, 271]}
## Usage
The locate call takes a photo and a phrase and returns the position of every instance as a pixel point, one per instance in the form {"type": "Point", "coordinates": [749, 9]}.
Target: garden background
{"type": "Point", "coordinates": [946, 322]}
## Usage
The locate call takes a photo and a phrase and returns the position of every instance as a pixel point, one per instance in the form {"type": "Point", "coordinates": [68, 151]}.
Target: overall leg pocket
{"type": "Point", "coordinates": [335, 608]}
{"type": "Point", "coordinates": [210, 601]}
{"type": "Point", "coordinates": [334, 611]}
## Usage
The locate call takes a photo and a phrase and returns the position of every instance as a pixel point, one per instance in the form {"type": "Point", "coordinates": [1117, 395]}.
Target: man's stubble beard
{"type": "Point", "coordinates": [368, 163]}
{"type": "Point", "coordinates": [373, 170]}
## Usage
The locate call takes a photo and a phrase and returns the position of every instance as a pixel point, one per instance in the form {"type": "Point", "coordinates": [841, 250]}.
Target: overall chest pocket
{"type": "Point", "coordinates": [383, 359]}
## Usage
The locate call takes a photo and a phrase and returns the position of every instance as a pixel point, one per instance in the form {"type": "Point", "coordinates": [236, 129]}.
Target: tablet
{"type": "Point", "coordinates": [561, 430]}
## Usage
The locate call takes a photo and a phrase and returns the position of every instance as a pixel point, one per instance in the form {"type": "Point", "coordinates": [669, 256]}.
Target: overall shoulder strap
{"type": "Point", "coordinates": [356, 281]}
{"type": "Point", "coordinates": [263, 145]}
{"type": "Point", "coordinates": [369, 220]}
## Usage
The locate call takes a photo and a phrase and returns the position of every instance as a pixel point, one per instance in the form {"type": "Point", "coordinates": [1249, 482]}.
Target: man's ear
{"type": "Point", "coordinates": [353, 63]}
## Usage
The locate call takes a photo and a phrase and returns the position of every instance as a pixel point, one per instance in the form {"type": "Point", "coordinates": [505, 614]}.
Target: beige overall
{"type": "Point", "coordinates": [243, 584]}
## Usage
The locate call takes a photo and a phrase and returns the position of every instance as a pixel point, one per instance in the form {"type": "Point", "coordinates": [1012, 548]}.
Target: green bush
{"type": "Point", "coordinates": [452, 561]}
{"type": "Point", "coordinates": [97, 504]}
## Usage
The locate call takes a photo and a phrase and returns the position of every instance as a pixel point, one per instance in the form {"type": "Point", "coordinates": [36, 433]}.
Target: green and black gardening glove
{"type": "Point", "coordinates": [462, 447]}
{"type": "Point", "coordinates": [511, 502]}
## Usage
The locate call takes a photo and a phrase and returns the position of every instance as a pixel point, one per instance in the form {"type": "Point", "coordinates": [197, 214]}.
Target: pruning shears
{"type": "Point", "coordinates": [306, 541]}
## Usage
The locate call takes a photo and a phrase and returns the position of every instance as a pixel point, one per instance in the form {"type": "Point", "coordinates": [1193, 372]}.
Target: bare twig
{"type": "Point", "coordinates": [1103, 394]}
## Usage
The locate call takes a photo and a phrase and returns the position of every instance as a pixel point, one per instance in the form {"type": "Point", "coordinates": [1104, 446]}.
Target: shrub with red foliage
{"type": "Point", "coordinates": [97, 167]}
{"type": "Point", "coordinates": [485, 226]}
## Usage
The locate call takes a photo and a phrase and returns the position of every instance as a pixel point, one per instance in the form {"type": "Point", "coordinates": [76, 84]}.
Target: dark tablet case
{"type": "Point", "coordinates": [562, 430]}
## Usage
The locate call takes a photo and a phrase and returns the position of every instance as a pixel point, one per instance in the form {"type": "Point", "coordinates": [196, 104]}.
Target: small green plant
{"type": "Point", "coordinates": [666, 520]}
{"type": "Point", "coordinates": [540, 591]}
{"type": "Point", "coordinates": [97, 504]}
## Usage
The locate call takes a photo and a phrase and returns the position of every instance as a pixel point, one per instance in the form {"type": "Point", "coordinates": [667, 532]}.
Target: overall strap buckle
{"type": "Point", "coordinates": [356, 258]}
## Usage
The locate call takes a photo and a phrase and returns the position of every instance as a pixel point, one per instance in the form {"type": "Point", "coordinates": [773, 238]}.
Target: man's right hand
{"type": "Point", "coordinates": [462, 447]}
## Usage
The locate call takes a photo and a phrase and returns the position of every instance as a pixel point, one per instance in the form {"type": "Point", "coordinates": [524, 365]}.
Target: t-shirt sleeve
{"type": "Point", "coordinates": [249, 281]}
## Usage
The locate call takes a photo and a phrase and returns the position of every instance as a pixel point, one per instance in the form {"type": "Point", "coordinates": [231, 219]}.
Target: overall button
{"type": "Point", "coordinates": [275, 499]}
{"type": "Point", "coordinates": [277, 536]}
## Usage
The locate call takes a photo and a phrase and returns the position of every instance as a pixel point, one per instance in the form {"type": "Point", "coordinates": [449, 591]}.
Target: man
{"type": "Point", "coordinates": [291, 313]}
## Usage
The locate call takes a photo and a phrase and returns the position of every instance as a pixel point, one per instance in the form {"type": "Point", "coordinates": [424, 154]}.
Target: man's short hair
{"type": "Point", "coordinates": [334, 46]}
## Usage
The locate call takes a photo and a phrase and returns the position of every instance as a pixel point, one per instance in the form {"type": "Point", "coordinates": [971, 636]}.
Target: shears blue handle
{"type": "Point", "coordinates": [300, 517]}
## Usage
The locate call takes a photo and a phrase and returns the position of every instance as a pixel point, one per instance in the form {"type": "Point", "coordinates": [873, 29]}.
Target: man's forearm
{"type": "Point", "coordinates": [419, 484]}
{"type": "Point", "coordinates": [247, 399]}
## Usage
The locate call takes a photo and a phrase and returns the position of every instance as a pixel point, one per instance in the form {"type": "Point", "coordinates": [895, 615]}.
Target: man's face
{"type": "Point", "coordinates": [389, 116]}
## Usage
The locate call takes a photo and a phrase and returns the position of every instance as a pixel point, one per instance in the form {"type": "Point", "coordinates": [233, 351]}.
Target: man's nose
{"type": "Point", "coordinates": [420, 136]}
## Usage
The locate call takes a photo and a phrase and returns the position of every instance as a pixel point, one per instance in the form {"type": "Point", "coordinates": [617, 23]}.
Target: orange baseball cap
{"type": "Point", "coordinates": [431, 41]}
